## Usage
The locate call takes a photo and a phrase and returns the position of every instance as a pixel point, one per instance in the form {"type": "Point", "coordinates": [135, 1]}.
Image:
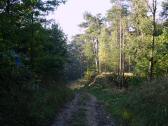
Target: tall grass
{"type": "Point", "coordinates": [143, 105]}
{"type": "Point", "coordinates": [45, 104]}
{"type": "Point", "coordinates": [31, 107]}
{"type": "Point", "coordinates": [149, 104]}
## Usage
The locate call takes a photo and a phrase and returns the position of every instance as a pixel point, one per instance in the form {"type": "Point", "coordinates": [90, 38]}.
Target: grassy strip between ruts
{"type": "Point", "coordinates": [79, 117]}
{"type": "Point", "coordinates": [111, 99]}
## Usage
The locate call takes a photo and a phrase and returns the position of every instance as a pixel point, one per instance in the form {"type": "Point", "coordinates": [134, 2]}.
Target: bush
{"type": "Point", "coordinates": [90, 75]}
{"type": "Point", "coordinates": [22, 104]}
{"type": "Point", "coordinates": [149, 104]}
{"type": "Point", "coordinates": [45, 104]}
{"type": "Point", "coordinates": [106, 80]}
{"type": "Point", "coordinates": [135, 80]}
{"type": "Point", "coordinates": [144, 105]}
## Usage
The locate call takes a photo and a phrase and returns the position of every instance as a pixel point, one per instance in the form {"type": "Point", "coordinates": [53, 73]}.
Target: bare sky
{"type": "Point", "coordinates": [70, 15]}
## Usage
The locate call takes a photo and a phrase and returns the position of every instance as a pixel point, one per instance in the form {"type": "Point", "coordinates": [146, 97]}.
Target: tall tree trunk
{"type": "Point", "coordinates": [151, 64]}
{"type": "Point", "coordinates": [123, 56]}
{"type": "Point", "coordinates": [129, 64]}
{"type": "Point", "coordinates": [120, 46]}
{"type": "Point", "coordinates": [32, 41]}
{"type": "Point", "coordinates": [96, 53]}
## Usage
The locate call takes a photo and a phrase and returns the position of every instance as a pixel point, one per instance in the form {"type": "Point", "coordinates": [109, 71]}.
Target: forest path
{"type": "Point", "coordinates": [83, 110]}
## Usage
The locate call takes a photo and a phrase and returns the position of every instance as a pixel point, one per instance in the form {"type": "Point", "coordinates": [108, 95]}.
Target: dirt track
{"type": "Point", "coordinates": [84, 110]}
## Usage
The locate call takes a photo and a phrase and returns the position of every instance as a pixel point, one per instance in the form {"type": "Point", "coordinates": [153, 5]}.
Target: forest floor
{"type": "Point", "coordinates": [83, 110]}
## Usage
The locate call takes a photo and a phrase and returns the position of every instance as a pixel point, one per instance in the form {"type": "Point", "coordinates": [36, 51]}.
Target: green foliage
{"type": "Point", "coordinates": [113, 100]}
{"type": "Point", "coordinates": [149, 104]}
{"type": "Point", "coordinates": [126, 36]}
{"type": "Point", "coordinates": [77, 62]}
{"type": "Point", "coordinates": [29, 107]}
{"type": "Point", "coordinates": [127, 29]}
{"type": "Point", "coordinates": [32, 58]}
{"type": "Point", "coordinates": [92, 26]}
{"type": "Point", "coordinates": [145, 105]}
{"type": "Point", "coordinates": [90, 74]}
{"type": "Point", "coordinates": [107, 52]}
{"type": "Point", "coordinates": [46, 103]}
{"type": "Point", "coordinates": [135, 80]}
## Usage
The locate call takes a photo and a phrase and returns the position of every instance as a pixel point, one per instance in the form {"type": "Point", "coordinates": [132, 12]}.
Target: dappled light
{"type": "Point", "coordinates": [89, 63]}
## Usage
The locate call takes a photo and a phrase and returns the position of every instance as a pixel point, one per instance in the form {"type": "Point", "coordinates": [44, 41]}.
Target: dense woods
{"type": "Point", "coordinates": [122, 56]}
{"type": "Point", "coordinates": [132, 37]}
{"type": "Point", "coordinates": [33, 52]}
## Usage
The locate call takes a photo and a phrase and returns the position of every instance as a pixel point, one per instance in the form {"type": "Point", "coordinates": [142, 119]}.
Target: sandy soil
{"type": "Point", "coordinates": [83, 110]}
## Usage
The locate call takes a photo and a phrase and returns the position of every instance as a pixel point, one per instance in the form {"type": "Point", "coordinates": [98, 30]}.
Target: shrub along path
{"type": "Point", "coordinates": [84, 110]}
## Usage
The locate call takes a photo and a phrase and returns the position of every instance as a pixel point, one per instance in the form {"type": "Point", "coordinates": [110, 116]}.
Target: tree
{"type": "Point", "coordinates": [118, 19]}
{"type": "Point", "coordinates": [77, 61]}
{"type": "Point", "coordinates": [93, 29]}
{"type": "Point", "coordinates": [32, 59]}
{"type": "Point", "coordinates": [153, 10]}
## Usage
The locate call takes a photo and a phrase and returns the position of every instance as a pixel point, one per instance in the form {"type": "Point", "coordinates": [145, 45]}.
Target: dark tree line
{"type": "Point", "coordinates": [32, 59]}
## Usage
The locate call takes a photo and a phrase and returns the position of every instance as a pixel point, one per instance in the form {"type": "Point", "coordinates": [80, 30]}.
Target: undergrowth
{"type": "Point", "coordinates": [143, 105]}
{"type": "Point", "coordinates": [27, 107]}
{"type": "Point", "coordinates": [47, 103]}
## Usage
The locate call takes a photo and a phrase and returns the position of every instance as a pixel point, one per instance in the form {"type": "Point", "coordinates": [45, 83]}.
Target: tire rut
{"type": "Point", "coordinates": [84, 110]}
